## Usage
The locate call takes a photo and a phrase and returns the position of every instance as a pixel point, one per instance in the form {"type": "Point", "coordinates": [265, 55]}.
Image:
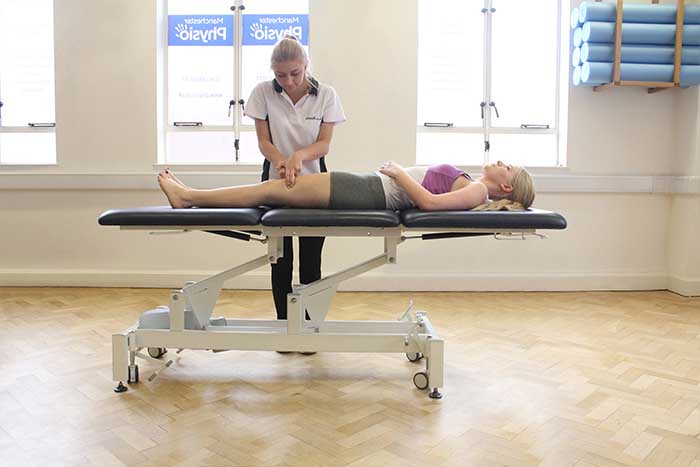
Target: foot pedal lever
{"type": "Point", "coordinates": [163, 365]}
{"type": "Point", "coordinates": [155, 373]}
{"type": "Point", "coordinates": [408, 310]}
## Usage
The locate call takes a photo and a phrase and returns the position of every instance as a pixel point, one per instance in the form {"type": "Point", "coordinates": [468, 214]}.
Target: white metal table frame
{"type": "Point", "coordinates": [412, 334]}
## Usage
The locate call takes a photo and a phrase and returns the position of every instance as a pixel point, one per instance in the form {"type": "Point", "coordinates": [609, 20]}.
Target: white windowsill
{"type": "Point", "coordinates": [545, 182]}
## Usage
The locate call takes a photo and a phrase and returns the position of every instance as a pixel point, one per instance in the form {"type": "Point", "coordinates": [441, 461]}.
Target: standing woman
{"type": "Point", "coordinates": [294, 117]}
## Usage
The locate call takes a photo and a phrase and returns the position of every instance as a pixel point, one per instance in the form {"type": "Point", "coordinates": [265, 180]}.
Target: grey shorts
{"type": "Point", "coordinates": [352, 191]}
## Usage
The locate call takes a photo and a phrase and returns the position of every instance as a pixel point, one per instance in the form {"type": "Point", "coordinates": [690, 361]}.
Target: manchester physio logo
{"type": "Point", "coordinates": [268, 29]}
{"type": "Point", "coordinates": [200, 30]}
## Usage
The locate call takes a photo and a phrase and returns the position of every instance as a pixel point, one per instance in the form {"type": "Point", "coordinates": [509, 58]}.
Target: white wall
{"type": "Point", "coordinates": [106, 124]}
{"type": "Point", "coordinates": [105, 84]}
{"type": "Point", "coordinates": [684, 225]}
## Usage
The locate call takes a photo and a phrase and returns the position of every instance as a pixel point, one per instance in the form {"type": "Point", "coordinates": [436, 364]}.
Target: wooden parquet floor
{"type": "Point", "coordinates": [531, 379]}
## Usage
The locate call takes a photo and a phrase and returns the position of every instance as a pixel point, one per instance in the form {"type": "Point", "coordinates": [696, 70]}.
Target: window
{"type": "Point", "coordinates": [489, 81]}
{"type": "Point", "coordinates": [27, 102]}
{"type": "Point", "coordinates": [216, 53]}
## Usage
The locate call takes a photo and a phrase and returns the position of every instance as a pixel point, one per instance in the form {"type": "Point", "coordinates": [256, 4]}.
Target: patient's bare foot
{"type": "Point", "coordinates": [176, 193]}
{"type": "Point", "coordinates": [175, 179]}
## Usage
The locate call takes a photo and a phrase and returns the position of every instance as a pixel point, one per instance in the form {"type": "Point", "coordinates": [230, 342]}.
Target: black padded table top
{"type": "Point", "coordinates": [530, 219]}
{"type": "Point", "coordinates": [165, 216]}
{"type": "Point", "coordinates": [289, 217]}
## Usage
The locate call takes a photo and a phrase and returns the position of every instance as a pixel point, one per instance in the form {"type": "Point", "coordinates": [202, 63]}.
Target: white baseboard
{"type": "Point", "coordinates": [684, 286]}
{"type": "Point", "coordinates": [367, 282]}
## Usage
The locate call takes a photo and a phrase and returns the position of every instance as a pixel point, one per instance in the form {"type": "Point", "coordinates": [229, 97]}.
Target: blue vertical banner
{"type": "Point", "coordinates": [270, 28]}
{"type": "Point", "coordinates": [200, 30]}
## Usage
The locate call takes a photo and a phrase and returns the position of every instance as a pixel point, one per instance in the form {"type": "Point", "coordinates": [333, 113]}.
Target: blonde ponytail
{"type": "Point", "coordinates": [520, 199]}
{"type": "Point", "coordinates": [504, 204]}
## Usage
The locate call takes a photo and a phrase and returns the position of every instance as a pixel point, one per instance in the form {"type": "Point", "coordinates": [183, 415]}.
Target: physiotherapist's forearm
{"type": "Point", "coordinates": [271, 153]}
{"type": "Point", "coordinates": [314, 151]}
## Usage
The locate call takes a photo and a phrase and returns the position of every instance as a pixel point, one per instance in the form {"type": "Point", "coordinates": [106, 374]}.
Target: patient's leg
{"type": "Point", "coordinates": [310, 191]}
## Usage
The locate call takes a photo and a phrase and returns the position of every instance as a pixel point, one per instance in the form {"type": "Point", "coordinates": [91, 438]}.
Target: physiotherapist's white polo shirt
{"type": "Point", "coordinates": [293, 127]}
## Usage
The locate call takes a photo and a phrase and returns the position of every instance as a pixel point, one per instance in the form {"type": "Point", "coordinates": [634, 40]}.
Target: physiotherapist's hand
{"type": "Point", "coordinates": [391, 168]}
{"type": "Point", "coordinates": [293, 168]}
{"type": "Point", "coordinates": [281, 168]}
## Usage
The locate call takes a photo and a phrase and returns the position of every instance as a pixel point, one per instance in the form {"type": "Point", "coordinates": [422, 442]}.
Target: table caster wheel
{"type": "Point", "coordinates": [435, 394]}
{"type": "Point", "coordinates": [420, 379]}
{"type": "Point", "coordinates": [414, 356]}
{"type": "Point", "coordinates": [120, 387]}
{"type": "Point", "coordinates": [156, 352]}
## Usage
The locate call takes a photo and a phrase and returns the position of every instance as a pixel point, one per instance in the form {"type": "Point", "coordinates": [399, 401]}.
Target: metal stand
{"type": "Point", "coordinates": [412, 335]}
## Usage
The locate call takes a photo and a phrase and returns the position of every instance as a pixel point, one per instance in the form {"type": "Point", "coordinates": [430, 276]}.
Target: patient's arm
{"type": "Point", "coordinates": [468, 197]}
{"type": "Point", "coordinates": [465, 198]}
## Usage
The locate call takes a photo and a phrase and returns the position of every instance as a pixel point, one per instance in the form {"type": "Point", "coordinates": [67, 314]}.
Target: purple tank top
{"type": "Point", "coordinates": [440, 178]}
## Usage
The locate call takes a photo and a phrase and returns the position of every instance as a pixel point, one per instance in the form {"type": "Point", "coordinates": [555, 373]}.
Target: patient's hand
{"type": "Point", "coordinates": [391, 168]}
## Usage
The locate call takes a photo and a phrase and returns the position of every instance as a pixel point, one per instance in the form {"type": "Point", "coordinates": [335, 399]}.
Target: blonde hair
{"type": "Point", "coordinates": [290, 49]}
{"type": "Point", "coordinates": [519, 199]}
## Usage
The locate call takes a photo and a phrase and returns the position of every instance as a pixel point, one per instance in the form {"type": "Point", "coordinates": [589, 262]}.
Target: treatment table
{"type": "Point", "coordinates": [187, 322]}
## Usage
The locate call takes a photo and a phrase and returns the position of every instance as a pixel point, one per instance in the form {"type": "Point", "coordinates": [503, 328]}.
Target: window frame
{"type": "Point", "coordinates": [38, 127]}
{"type": "Point", "coordinates": [164, 125]}
{"type": "Point", "coordinates": [236, 105]}
{"type": "Point", "coordinates": [561, 93]}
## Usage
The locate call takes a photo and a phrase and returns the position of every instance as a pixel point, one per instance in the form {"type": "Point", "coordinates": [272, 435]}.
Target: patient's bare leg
{"type": "Point", "coordinates": [310, 191]}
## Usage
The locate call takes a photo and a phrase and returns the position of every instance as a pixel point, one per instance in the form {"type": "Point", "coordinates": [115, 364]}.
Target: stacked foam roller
{"type": "Point", "coordinates": [648, 43]}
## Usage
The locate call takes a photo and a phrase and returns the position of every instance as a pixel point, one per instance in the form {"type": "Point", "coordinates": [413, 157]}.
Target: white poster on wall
{"type": "Point", "coordinates": [200, 68]}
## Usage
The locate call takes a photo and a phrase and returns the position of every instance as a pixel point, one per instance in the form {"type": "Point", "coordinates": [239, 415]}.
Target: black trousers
{"type": "Point", "coordinates": [309, 269]}
{"type": "Point", "coordinates": [309, 260]}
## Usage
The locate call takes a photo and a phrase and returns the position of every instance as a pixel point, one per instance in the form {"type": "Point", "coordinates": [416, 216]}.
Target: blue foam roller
{"type": "Point", "coordinates": [634, 33]}
{"type": "Point", "coordinates": [576, 56]}
{"type": "Point", "coordinates": [654, 54]}
{"type": "Point", "coordinates": [578, 37]}
{"type": "Point", "coordinates": [574, 18]}
{"type": "Point", "coordinates": [603, 72]}
{"type": "Point", "coordinates": [637, 13]}
{"type": "Point", "coordinates": [577, 78]}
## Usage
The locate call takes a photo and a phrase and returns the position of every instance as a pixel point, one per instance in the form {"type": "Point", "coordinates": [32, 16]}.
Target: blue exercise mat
{"type": "Point", "coordinates": [654, 54]}
{"type": "Point", "coordinates": [634, 33]}
{"type": "Point", "coordinates": [578, 37]}
{"type": "Point", "coordinates": [636, 13]}
{"type": "Point", "coordinates": [597, 72]}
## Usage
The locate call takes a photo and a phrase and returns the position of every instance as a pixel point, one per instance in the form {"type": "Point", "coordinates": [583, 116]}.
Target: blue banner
{"type": "Point", "coordinates": [268, 29]}
{"type": "Point", "coordinates": [200, 30]}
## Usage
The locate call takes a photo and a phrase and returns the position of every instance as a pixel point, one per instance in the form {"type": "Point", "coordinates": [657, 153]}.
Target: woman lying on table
{"type": "Point", "coordinates": [436, 188]}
